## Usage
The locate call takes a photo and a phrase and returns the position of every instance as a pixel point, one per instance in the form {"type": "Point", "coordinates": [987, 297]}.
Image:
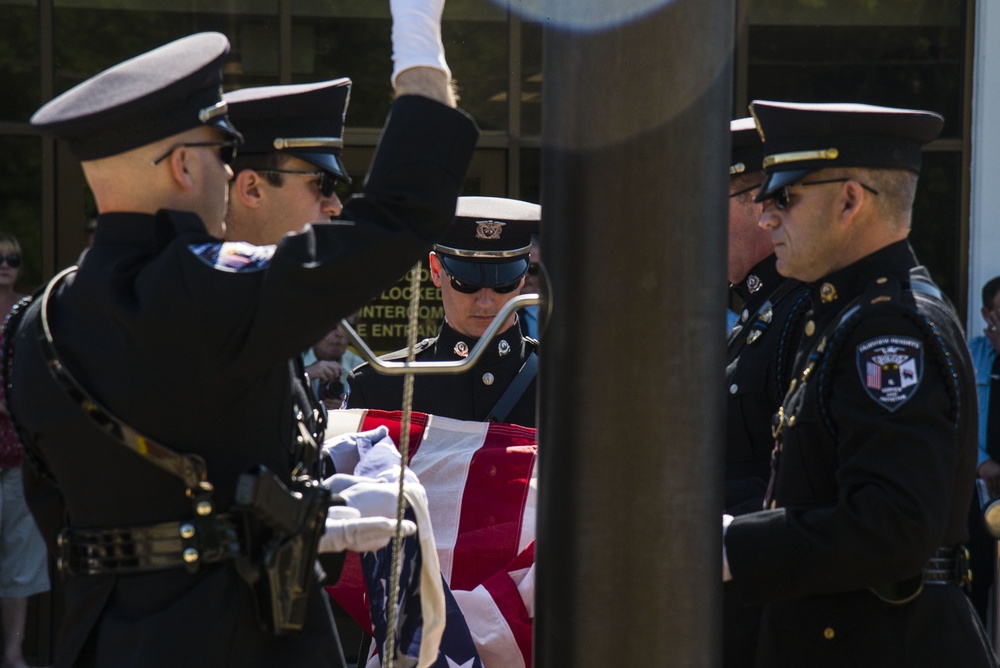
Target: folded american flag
{"type": "Point", "coordinates": [481, 490]}
{"type": "Point", "coordinates": [456, 647]}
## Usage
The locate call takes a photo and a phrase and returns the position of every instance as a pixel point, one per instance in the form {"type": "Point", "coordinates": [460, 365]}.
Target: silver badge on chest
{"type": "Point", "coordinates": [461, 349]}
{"type": "Point", "coordinates": [503, 347]}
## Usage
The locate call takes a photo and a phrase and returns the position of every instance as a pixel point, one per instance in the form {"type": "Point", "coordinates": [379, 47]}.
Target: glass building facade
{"type": "Point", "coordinates": [910, 53]}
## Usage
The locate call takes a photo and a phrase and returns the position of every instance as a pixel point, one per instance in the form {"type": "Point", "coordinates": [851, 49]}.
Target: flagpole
{"type": "Point", "coordinates": [635, 147]}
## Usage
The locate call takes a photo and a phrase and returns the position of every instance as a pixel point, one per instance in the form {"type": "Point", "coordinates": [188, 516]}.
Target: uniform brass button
{"type": "Point", "coordinates": [190, 555]}
{"type": "Point", "coordinates": [766, 315]}
{"type": "Point", "coordinates": [882, 280]}
{"type": "Point", "coordinates": [810, 328]}
{"type": "Point", "coordinates": [187, 530]}
{"type": "Point", "coordinates": [828, 633]}
{"type": "Point", "coordinates": [753, 336]}
{"type": "Point", "coordinates": [734, 388]}
{"type": "Point", "coordinates": [744, 315]}
{"type": "Point", "coordinates": [487, 378]}
{"type": "Point", "coordinates": [791, 421]}
{"type": "Point", "coordinates": [203, 508]}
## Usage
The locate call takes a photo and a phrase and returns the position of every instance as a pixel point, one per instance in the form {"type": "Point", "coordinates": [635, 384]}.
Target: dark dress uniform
{"type": "Point", "coordinates": [466, 396]}
{"type": "Point", "coordinates": [188, 340]}
{"type": "Point", "coordinates": [878, 450]}
{"type": "Point", "coordinates": [760, 351]}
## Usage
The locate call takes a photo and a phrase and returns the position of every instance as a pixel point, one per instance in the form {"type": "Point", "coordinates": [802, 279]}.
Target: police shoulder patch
{"type": "Point", "coordinates": [234, 256]}
{"type": "Point", "coordinates": [891, 368]}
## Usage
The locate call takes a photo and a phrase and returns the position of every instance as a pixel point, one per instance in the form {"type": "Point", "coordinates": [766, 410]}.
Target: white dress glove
{"type": "Point", "coordinates": [380, 460]}
{"type": "Point", "coordinates": [347, 530]}
{"type": "Point", "coordinates": [416, 36]}
{"type": "Point", "coordinates": [376, 499]}
{"type": "Point", "coordinates": [345, 450]}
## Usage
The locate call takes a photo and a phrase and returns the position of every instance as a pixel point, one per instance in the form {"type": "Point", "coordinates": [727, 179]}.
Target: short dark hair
{"type": "Point", "coordinates": [990, 291]}
{"type": "Point", "coordinates": [261, 161]}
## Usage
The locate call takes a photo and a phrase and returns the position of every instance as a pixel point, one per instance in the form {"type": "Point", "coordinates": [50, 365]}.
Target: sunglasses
{"type": "Point", "coordinates": [327, 181]}
{"type": "Point", "coordinates": [744, 190]}
{"type": "Point", "coordinates": [782, 197]}
{"type": "Point", "coordinates": [13, 260]}
{"type": "Point", "coordinates": [470, 289]}
{"type": "Point", "coordinates": [227, 150]}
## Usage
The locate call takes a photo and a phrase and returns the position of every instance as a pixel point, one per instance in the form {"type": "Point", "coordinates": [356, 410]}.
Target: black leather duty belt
{"type": "Point", "coordinates": [949, 565]}
{"type": "Point", "coordinates": [186, 544]}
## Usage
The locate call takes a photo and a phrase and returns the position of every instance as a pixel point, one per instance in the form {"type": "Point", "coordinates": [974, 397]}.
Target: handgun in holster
{"type": "Point", "coordinates": [283, 557]}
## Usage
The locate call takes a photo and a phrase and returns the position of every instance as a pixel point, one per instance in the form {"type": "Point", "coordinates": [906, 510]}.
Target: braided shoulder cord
{"type": "Point", "coordinates": [946, 361]}
{"type": "Point", "coordinates": [783, 369]}
{"type": "Point", "coordinates": [838, 338]}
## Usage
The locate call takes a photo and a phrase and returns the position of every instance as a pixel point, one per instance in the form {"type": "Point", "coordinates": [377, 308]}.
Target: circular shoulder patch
{"type": "Point", "coordinates": [234, 256]}
{"type": "Point", "coordinates": [891, 368]}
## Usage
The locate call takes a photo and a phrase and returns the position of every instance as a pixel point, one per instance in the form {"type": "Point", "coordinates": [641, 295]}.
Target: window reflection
{"type": "Point", "coordinates": [89, 39]}
{"type": "Point", "coordinates": [900, 53]}
{"type": "Point", "coordinates": [19, 60]}
{"type": "Point", "coordinates": [936, 221]}
{"type": "Point", "coordinates": [21, 203]}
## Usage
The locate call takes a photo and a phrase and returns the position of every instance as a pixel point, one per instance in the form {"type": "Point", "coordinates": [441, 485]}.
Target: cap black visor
{"type": "Point", "coordinates": [777, 180]}
{"type": "Point", "coordinates": [485, 272]}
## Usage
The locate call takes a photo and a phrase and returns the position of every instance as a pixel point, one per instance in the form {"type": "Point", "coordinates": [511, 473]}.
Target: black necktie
{"type": "Point", "coordinates": [993, 417]}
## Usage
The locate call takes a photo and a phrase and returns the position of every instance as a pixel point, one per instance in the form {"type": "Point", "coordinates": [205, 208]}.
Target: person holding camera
{"type": "Point", "coordinates": [151, 386]}
{"type": "Point", "coordinates": [328, 363]}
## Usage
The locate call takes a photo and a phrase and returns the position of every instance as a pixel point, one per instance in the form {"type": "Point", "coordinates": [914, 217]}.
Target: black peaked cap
{"type": "Point", "coordinates": [746, 153]}
{"type": "Point", "coordinates": [303, 120]}
{"type": "Point", "coordinates": [800, 138]}
{"type": "Point", "coordinates": [157, 94]}
{"type": "Point", "coordinates": [488, 243]}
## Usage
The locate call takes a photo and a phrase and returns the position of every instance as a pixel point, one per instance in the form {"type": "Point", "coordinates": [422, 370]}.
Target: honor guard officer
{"type": "Point", "coordinates": [859, 556]}
{"type": "Point", "coordinates": [152, 383]}
{"type": "Point", "coordinates": [285, 176]}
{"type": "Point", "coordinates": [479, 266]}
{"type": "Point", "coordinates": [761, 345]}
{"type": "Point", "coordinates": [289, 166]}
{"type": "Point", "coordinates": [760, 352]}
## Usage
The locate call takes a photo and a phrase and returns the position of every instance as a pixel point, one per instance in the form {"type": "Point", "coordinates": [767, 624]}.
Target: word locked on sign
{"type": "Point", "coordinates": [383, 322]}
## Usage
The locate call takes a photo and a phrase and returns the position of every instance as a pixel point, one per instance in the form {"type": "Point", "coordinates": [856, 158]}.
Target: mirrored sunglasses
{"type": "Point", "coordinates": [470, 289]}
